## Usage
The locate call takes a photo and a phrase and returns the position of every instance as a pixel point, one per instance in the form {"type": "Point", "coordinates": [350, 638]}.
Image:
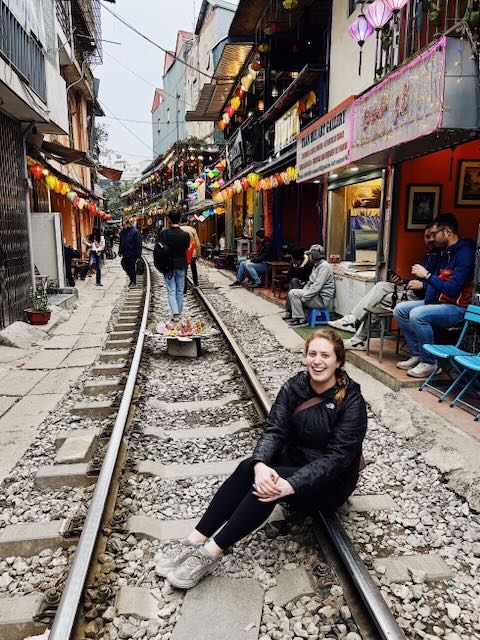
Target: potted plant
{"type": "Point", "coordinates": [38, 313]}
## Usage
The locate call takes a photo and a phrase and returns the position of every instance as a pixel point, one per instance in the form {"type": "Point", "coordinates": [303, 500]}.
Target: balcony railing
{"type": "Point", "coordinates": [64, 17]}
{"type": "Point", "coordinates": [23, 52]}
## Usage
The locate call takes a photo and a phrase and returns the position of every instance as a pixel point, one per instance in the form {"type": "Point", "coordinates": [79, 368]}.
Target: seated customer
{"type": "Point", "coordinates": [381, 295]}
{"type": "Point", "coordinates": [255, 265]}
{"type": "Point", "coordinates": [316, 294]}
{"type": "Point", "coordinates": [299, 270]}
{"type": "Point", "coordinates": [448, 291]}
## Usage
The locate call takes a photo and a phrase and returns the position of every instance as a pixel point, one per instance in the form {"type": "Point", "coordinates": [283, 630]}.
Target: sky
{"type": "Point", "coordinates": [122, 94]}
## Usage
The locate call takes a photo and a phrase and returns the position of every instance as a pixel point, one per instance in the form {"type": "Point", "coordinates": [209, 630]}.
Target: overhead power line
{"type": "Point", "coordinates": [127, 128]}
{"type": "Point", "coordinates": [142, 35]}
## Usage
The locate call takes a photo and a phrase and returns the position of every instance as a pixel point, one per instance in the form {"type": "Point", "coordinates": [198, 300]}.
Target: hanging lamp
{"type": "Point", "coordinates": [378, 14]}
{"type": "Point", "coordinates": [360, 30]}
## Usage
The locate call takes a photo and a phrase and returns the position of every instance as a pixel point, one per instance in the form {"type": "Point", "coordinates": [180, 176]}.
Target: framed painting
{"type": "Point", "coordinates": [468, 183]}
{"type": "Point", "coordinates": [423, 205]}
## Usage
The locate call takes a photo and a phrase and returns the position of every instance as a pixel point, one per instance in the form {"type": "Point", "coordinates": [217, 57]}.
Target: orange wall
{"type": "Point", "coordinates": [429, 170]}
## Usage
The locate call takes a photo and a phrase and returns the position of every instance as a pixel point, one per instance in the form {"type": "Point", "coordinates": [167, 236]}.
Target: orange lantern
{"type": "Point", "coordinates": [58, 187]}
{"type": "Point", "coordinates": [221, 125]}
{"type": "Point", "coordinates": [92, 208]}
{"type": "Point", "coordinates": [244, 183]}
{"type": "Point", "coordinates": [37, 171]}
{"type": "Point", "coordinates": [65, 188]}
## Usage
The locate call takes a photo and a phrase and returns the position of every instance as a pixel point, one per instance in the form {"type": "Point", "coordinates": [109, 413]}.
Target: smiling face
{"type": "Point", "coordinates": [322, 363]}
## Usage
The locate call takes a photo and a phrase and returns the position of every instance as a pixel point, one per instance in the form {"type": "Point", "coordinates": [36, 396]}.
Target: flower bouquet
{"type": "Point", "coordinates": [181, 329]}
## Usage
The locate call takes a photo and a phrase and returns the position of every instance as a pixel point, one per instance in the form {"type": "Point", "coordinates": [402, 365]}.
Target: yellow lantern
{"type": "Point", "coordinates": [81, 203]}
{"type": "Point", "coordinates": [65, 188]}
{"type": "Point", "coordinates": [291, 173]}
{"type": "Point", "coordinates": [289, 5]}
{"type": "Point", "coordinates": [237, 185]}
{"type": "Point", "coordinates": [51, 181]}
{"type": "Point", "coordinates": [235, 102]}
{"type": "Point", "coordinates": [253, 178]}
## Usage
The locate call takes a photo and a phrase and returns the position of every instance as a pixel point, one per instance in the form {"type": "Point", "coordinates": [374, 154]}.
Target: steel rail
{"type": "Point", "coordinates": [64, 621]}
{"type": "Point", "coordinates": [373, 600]}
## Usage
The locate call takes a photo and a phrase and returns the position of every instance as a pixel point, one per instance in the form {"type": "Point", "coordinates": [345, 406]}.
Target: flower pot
{"type": "Point", "coordinates": [35, 316]}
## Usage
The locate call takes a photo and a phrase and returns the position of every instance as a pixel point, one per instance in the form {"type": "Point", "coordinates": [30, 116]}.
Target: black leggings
{"type": "Point", "coordinates": [235, 506]}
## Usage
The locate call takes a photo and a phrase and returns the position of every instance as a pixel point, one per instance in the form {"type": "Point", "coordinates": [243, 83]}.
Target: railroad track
{"type": "Point", "coordinates": [89, 603]}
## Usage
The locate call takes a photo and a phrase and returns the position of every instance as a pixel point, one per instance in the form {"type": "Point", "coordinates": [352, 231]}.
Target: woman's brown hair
{"type": "Point", "coordinates": [337, 343]}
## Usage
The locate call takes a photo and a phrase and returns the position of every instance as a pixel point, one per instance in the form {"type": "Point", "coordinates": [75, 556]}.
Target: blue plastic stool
{"type": "Point", "coordinates": [317, 317]}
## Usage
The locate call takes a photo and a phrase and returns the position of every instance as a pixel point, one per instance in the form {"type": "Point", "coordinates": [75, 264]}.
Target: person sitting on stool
{"type": "Point", "coordinates": [255, 266]}
{"type": "Point", "coordinates": [316, 294]}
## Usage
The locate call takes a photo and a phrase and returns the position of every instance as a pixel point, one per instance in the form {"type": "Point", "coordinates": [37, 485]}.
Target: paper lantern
{"type": "Point", "coordinates": [274, 182]}
{"type": "Point", "coordinates": [244, 183]}
{"type": "Point", "coordinates": [81, 203]}
{"type": "Point", "coordinates": [230, 111]}
{"type": "Point", "coordinates": [45, 172]}
{"type": "Point", "coordinates": [219, 167]}
{"type": "Point", "coordinates": [51, 181]}
{"type": "Point", "coordinates": [71, 195]}
{"type": "Point", "coordinates": [75, 202]}
{"type": "Point", "coordinates": [253, 178]}
{"type": "Point", "coordinates": [36, 171]}
{"type": "Point", "coordinates": [92, 208]}
{"type": "Point", "coordinates": [285, 178]}
{"type": "Point", "coordinates": [378, 14]}
{"type": "Point", "coordinates": [235, 102]}
{"type": "Point", "coordinates": [246, 82]}
{"type": "Point", "coordinates": [211, 175]}
{"type": "Point", "coordinates": [226, 118]}
{"type": "Point", "coordinates": [279, 179]}
{"type": "Point", "coordinates": [237, 186]}
{"type": "Point", "coordinates": [289, 5]}
{"type": "Point", "coordinates": [258, 186]}
{"type": "Point", "coordinates": [215, 172]}
{"type": "Point", "coordinates": [256, 65]}
{"type": "Point", "coordinates": [65, 188]}
{"type": "Point", "coordinates": [360, 30]}
{"type": "Point", "coordinates": [240, 92]}
{"type": "Point", "coordinates": [215, 185]}
{"type": "Point", "coordinates": [291, 173]}
{"type": "Point", "coordinates": [221, 182]}
{"type": "Point", "coordinates": [396, 5]}
{"type": "Point", "coordinates": [58, 187]}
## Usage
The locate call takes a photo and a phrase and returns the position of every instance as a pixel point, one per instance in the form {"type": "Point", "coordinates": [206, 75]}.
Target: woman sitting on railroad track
{"type": "Point", "coordinates": [308, 456]}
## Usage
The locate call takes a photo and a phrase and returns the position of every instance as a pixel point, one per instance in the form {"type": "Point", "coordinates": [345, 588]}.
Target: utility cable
{"type": "Point", "coordinates": [142, 35]}
{"type": "Point", "coordinates": [127, 128]}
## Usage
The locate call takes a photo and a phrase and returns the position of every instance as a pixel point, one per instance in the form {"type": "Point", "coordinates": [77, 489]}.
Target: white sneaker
{"type": "Point", "coordinates": [422, 370]}
{"type": "Point", "coordinates": [408, 364]}
{"type": "Point", "coordinates": [347, 323]}
{"type": "Point", "coordinates": [356, 344]}
{"type": "Point", "coordinates": [165, 562]}
{"type": "Point", "coordinates": [196, 566]}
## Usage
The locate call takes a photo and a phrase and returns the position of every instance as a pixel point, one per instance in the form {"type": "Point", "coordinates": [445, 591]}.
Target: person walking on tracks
{"type": "Point", "coordinates": [309, 455]}
{"type": "Point", "coordinates": [169, 257]}
{"type": "Point", "coordinates": [130, 249]}
{"type": "Point", "coordinates": [195, 241]}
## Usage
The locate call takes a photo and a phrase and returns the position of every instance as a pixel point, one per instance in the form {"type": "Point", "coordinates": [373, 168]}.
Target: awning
{"type": "Point", "coordinates": [111, 174]}
{"type": "Point", "coordinates": [277, 164]}
{"type": "Point", "coordinates": [197, 207]}
{"type": "Point", "coordinates": [303, 83]}
{"type": "Point", "coordinates": [66, 155]}
{"type": "Point", "coordinates": [214, 94]}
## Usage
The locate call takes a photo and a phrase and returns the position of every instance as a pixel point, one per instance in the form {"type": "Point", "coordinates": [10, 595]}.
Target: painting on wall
{"type": "Point", "coordinates": [423, 205]}
{"type": "Point", "coordinates": [468, 183]}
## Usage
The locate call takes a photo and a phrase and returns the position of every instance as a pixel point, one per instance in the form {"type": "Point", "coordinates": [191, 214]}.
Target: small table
{"type": "Point", "coordinates": [384, 315]}
{"type": "Point", "coordinates": [78, 264]}
{"type": "Point", "coordinates": [272, 268]}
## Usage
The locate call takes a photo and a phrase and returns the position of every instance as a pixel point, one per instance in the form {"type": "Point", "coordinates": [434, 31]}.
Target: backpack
{"type": "Point", "coordinates": [162, 256]}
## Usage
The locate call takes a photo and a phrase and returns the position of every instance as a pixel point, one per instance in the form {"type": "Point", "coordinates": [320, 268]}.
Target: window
{"type": "Point", "coordinates": [351, 6]}
{"type": "Point", "coordinates": [158, 125]}
{"type": "Point", "coordinates": [168, 116]}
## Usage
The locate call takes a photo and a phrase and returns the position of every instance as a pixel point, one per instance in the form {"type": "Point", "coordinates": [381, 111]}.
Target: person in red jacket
{"type": "Point", "coordinates": [308, 455]}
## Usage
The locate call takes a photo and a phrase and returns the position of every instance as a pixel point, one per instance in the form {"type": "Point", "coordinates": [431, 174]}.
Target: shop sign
{"type": "Point", "coordinates": [325, 144]}
{"type": "Point", "coordinates": [287, 128]}
{"type": "Point", "coordinates": [405, 106]}
{"type": "Point", "coordinates": [235, 156]}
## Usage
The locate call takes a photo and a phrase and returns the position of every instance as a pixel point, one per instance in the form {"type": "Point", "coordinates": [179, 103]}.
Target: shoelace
{"type": "Point", "coordinates": [196, 560]}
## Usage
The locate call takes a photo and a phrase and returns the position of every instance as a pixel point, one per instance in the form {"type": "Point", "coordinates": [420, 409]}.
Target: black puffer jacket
{"type": "Point", "coordinates": [325, 441]}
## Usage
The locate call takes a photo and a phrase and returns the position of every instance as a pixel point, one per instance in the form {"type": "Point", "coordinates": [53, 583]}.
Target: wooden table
{"type": "Point", "coordinates": [272, 268]}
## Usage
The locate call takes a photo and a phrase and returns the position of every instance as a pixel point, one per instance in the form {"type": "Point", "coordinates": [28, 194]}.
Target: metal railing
{"type": "Point", "coordinates": [64, 16]}
{"type": "Point", "coordinates": [22, 51]}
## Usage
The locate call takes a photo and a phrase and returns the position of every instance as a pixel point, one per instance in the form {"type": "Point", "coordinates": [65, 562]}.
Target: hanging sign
{"type": "Point", "coordinates": [235, 155]}
{"type": "Point", "coordinates": [325, 145]}
{"type": "Point", "coordinates": [405, 106]}
{"type": "Point", "coordinates": [286, 128]}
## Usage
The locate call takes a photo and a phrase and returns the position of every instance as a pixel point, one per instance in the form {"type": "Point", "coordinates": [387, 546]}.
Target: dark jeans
{"type": "Point", "coordinates": [235, 506]}
{"type": "Point", "coordinates": [193, 266]}
{"type": "Point", "coordinates": [129, 266]}
{"type": "Point", "coordinates": [93, 258]}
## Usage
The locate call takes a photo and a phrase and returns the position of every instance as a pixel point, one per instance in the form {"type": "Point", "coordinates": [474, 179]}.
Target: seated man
{"type": "Point", "coordinates": [255, 265]}
{"type": "Point", "coordinates": [448, 291]}
{"type": "Point", "coordinates": [316, 294]}
{"type": "Point", "coordinates": [299, 270]}
{"type": "Point", "coordinates": [381, 295]}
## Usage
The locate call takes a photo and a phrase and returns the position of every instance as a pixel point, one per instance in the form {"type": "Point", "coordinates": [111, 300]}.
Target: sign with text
{"type": "Point", "coordinates": [405, 106]}
{"type": "Point", "coordinates": [286, 128]}
{"type": "Point", "coordinates": [325, 145]}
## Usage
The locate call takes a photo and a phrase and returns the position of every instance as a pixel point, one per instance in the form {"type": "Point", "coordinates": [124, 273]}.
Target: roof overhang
{"type": "Point", "coordinates": [214, 94]}
{"type": "Point", "coordinates": [66, 155]}
{"type": "Point", "coordinates": [246, 18]}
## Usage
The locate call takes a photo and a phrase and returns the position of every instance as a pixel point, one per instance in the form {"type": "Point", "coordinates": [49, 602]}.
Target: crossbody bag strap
{"type": "Point", "coordinates": [307, 404]}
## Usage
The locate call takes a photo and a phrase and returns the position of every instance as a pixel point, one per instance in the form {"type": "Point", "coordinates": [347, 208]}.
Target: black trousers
{"type": "Point", "coordinates": [240, 512]}
{"type": "Point", "coordinates": [128, 265]}
{"type": "Point", "coordinates": [193, 266]}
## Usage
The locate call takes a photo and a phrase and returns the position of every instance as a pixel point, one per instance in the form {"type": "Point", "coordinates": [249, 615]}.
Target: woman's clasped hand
{"type": "Point", "coordinates": [268, 485]}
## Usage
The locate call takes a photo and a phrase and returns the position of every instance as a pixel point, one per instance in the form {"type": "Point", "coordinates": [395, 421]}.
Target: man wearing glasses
{"type": "Point", "coordinates": [448, 291]}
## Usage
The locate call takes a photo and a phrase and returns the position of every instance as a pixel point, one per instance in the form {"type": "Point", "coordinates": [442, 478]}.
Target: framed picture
{"type": "Point", "coordinates": [468, 183]}
{"type": "Point", "coordinates": [423, 205]}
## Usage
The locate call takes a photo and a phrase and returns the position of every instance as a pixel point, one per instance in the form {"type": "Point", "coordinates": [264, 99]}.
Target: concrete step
{"type": "Point", "coordinates": [154, 529]}
{"type": "Point", "coordinates": [17, 617]}
{"type": "Point", "coordinates": [26, 540]}
{"type": "Point", "coordinates": [99, 387]}
{"type": "Point", "coordinates": [125, 326]}
{"type": "Point", "coordinates": [196, 405]}
{"type": "Point", "coordinates": [195, 434]}
{"type": "Point", "coordinates": [94, 409]}
{"type": "Point", "coordinates": [78, 448]}
{"type": "Point", "coordinates": [74, 433]}
{"type": "Point", "coordinates": [115, 356]}
{"type": "Point", "coordinates": [122, 335]}
{"type": "Point", "coordinates": [119, 344]}
{"type": "Point", "coordinates": [64, 475]}
{"type": "Point", "coordinates": [109, 370]}
{"type": "Point", "coordinates": [177, 471]}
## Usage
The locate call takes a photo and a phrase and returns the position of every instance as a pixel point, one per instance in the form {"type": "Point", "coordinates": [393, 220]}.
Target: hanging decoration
{"type": "Point", "coordinates": [360, 30]}
{"type": "Point", "coordinates": [51, 181]}
{"type": "Point", "coordinates": [37, 171]}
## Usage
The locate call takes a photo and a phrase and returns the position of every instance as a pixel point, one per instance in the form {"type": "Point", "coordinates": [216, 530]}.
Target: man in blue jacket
{"type": "Point", "coordinates": [130, 250]}
{"type": "Point", "coordinates": [448, 291]}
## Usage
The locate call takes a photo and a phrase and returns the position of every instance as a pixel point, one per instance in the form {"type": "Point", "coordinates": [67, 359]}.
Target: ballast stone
{"type": "Point", "coordinates": [195, 434]}
{"type": "Point", "coordinates": [177, 471]}
{"type": "Point", "coordinates": [292, 584]}
{"type": "Point", "coordinates": [137, 602]}
{"type": "Point", "coordinates": [400, 569]}
{"type": "Point", "coordinates": [380, 502]}
{"type": "Point", "coordinates": [200, 405]}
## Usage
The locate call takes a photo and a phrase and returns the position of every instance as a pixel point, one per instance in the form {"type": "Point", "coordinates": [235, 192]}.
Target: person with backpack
{"type": "Point", "coordinates": [169, 257]}
{"type": "Point", "coordinates": [130, 250]}
{"type": "Point", "coordinates": [194, 248]}
{"type": "Point", "coordinates": [309, 456]}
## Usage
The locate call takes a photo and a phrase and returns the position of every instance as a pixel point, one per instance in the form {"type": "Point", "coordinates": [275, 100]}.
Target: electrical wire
{"type": "Point", "coordinates": [142, 35]}
{"type": "Point", "coordinates": [104, 106]}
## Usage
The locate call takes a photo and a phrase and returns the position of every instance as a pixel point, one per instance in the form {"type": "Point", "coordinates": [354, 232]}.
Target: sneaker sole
{"type": "Point", "coordinates": [348, 327]}
{"type": "Point", "coordinates": [163, 572]}
{"type": "Point", "coordinates": [188, 584]}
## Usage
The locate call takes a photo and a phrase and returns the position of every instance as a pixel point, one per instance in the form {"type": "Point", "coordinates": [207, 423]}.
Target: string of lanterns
{"type": "Point", "coordinates": [255, 181]}
{"type": "Point", "coordinates": [41, 173]}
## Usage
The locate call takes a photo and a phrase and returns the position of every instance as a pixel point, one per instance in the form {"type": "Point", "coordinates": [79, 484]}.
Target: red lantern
{"type": "Point", "coordinates": [240, 92]}
{"type": "Point", "coordinates": [279, 179]}
{"type": "Point", "coordinates": [92, 208]}
{"type": "Point", "coordinates": [244, 183]}
{"type": "Point", "coordinates": [75, 202]}
{"type": "Point", "coordinates": [230, 111]}
{"type": "Point", "coordinates": [37, 171]}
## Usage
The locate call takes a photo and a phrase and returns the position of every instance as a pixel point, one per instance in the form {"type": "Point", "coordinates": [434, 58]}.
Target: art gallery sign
{"type": "Point", "coordinates": [326, 144]}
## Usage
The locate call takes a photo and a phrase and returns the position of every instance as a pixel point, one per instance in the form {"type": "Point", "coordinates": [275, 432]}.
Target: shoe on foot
{"type": "Point", "coordinates": [347, 323]}
{"type": "Point", "coordinates": [176, 317]}
{"type": "Point", "coordinates": [405, 365]}
{"type": "Point", "coordinates": [235, 283]}
{"type": "Point", "coordinates": [196, 566]}
{"type": "Point", "coordinates": [132, 285]}
{"type": "Point", "coordinates": [297, 322]}
{"type": "Point", "coordinates": [422, 370]}
{"type": "Point", "coordinates": [165, 562]}
{"type": "Point", "coordinates": [252, 285]}
{"type": "Point", "coordinates": [355, 344]}
{"type": "Point", "coordinates": [287, 316]}
{"type": "Point", "coordinates": [98, 284]}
